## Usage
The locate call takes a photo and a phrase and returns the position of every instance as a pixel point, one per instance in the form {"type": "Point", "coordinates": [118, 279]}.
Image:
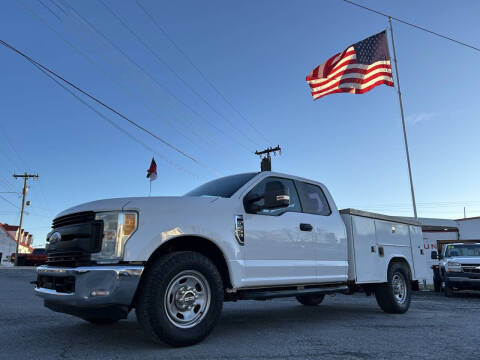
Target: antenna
{"type": "Point", "coordinates": [266, 164]}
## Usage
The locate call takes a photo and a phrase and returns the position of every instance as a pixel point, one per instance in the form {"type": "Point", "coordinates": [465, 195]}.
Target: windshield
{"type": "Point", "coordinates": [223, 187]}
{"type": "Point", "coordinates": [462, 250]}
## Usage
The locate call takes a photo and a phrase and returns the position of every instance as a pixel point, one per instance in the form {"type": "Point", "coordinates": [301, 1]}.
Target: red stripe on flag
{"type": "Point", "coordinates": [353, 80]}
{"type": "Point", "coordinates": [354, 69]}
{"type": "Point", "coordinates": [364, 72]}
{"type": "Point", "coordinates": [357, 91]}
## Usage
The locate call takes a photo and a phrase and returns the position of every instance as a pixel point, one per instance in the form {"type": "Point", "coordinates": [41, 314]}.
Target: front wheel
{"type": "Point", "coordinates": [448, 290]}
{"type": "Point", "coordinates": [180, 299]}
{"type": "Point", "coordinates": [394, 296]}
{"type": "Point", "coordinates": [437, 281]}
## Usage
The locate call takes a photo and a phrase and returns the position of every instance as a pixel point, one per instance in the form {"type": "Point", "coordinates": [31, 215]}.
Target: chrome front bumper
{"type": "Point", "coordinates": [94, 287]}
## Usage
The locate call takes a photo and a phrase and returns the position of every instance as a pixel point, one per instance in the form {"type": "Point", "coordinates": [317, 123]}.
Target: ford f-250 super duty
{"type": "Point", "coordinates": [258, 236]}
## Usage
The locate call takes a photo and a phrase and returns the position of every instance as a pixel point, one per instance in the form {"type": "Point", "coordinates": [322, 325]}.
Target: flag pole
{"type": "Point", "coordinates": [403, 121]}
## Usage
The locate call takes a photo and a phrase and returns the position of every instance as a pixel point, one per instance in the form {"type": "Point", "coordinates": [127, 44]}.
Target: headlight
{"type": "Point", "coordinates": [454, 267]}
{"type": "Point", "coordinates": [117, 228]}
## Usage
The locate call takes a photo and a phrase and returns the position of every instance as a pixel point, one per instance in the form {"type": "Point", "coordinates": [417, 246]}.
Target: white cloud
{"type": "Point", "coordinates": [420, 117]}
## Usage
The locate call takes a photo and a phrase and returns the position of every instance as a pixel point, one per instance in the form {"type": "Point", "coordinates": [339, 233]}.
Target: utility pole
{"type": "Point", "coordinates": [266, 164]}
{"type": "Point", "coordinates": [25, 177]}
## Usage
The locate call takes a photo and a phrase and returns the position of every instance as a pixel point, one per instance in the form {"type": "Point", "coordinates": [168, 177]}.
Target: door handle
{"type": "Point", "coordinates": [306, 227]}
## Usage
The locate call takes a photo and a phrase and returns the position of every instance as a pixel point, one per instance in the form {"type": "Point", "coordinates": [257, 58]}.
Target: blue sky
{"type": "Point", "coordinates": [257, 54]}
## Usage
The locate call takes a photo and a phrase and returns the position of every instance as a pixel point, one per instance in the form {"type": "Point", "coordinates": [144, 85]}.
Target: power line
{"type": "Point", "coordinates": [177, 75]}
{"type": "Point", "coordinates": [427, 204]}
{"type": "Point", "coordinates": [129, 78]}
{"type": "Point", "coordinates": [8, 201]}
{"type": "Point", "coordinates": [50, 10]}
{"type": "Point", "coordinates": [58, 7]}
{"type": "Point", "coordinates": [10, 144]}
{"type": "Point", "coordinates": [99, 33]}
{"type": "Point", "coordinates": [37, 64]}
{"type": "Point", "coordinates": [415, 26]}
{"type": "Point", "coordinates": [111, 122]}
{"type": "Point", "coordinates": [98, 66]}
{"type": "Point", "coordinates": [8, 186]}
{"type": "Point", "coordinates": [180, 50]}
{"type": "Point", "coordinates": [94, 38]}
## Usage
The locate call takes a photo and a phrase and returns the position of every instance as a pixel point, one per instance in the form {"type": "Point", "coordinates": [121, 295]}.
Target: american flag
{"type": "Point", "coordinates": [356, 70]}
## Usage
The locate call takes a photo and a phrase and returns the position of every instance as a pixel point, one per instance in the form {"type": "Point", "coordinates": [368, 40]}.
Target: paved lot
{"type": "Point", "coordinates": [343, 327]}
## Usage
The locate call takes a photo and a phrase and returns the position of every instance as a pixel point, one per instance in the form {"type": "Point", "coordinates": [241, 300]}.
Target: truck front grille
{"type": "Point", "coordinates": [471, 268]}
{"type": "Point", "coordinates": [68, 259]}
{"type": "Point", "coordinates": [72, 219]}
{"type": "Point", "coordinates": [80, 235]}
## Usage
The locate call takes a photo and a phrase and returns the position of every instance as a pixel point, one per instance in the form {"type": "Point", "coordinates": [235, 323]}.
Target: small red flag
{"type": "Point", "coordinates": [152, 171]}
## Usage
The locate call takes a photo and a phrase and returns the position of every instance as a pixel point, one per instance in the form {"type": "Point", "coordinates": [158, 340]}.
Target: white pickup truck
{"type": "Point", "coordinates": [247, 236]}
{"type": "Point", "coordinates": [459, 267]}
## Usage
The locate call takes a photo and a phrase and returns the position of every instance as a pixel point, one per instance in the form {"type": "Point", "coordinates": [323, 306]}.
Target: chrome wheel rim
{"type": "Point", "coordinates": [187, 299]}
{"type": "Point", "coordinates": [399, 288]}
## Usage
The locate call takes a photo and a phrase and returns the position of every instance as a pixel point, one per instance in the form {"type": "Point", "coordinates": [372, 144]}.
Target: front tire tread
{"type": "Point", "coordinates": [150, 310]}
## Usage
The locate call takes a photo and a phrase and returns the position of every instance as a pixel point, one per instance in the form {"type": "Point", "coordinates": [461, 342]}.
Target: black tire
{"type": "Point", "coordinates": [101, 321]}
{"type": "Point", "coordinates": [310, 300]}
{"type": "Point", "coordinates": [437, 281]}
{"type": "Point", "coordinates": [448, 290]}
{"type": "Point", "coordinates": [390, 297]}
{"type": "Point", "coordinates": [153, 306]}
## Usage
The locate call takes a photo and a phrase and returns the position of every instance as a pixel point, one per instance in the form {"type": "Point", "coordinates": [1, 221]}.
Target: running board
{"type": "Point", "coordinates": [271, 294]}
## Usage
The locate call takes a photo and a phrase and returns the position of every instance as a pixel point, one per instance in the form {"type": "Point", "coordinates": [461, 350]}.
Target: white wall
{"type": "Point", "coordinates": [469, 229]}
{"type": "Point", "coordinates": [7, 245]}
{"type": "Point", "coordinates": [430, 239]}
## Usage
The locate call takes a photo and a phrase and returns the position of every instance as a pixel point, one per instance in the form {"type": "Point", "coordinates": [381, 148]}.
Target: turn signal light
{"type": "Point", "coordinates": [129, 224]}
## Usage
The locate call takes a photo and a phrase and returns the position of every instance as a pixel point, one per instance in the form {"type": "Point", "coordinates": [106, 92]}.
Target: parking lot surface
{"type": "Point", "coordinates": [343, 327]}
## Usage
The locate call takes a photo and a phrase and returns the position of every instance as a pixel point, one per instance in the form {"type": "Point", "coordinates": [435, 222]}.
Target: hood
{"type": "Point", "coordinates": [467, 260]}
{"type": "Point", "coordinates": [140, 203]}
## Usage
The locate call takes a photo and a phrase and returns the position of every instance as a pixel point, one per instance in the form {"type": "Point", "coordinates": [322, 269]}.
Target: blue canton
{"type": "Point", "coordinates": [372, 49]}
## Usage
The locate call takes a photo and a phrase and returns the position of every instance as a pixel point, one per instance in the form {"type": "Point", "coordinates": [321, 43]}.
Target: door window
{"type": "Point", "coordinates": [259, 191]}
{"type": "Point", "coordinates": [313, 199]}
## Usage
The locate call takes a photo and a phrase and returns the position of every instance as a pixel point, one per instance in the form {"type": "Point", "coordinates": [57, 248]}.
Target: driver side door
{"type": "Point", "coordinates": [278, 249]}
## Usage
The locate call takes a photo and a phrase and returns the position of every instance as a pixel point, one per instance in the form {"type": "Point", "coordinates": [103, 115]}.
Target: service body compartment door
{"type": "Point", "coordinates": [392, 234]}
{"type": "Point", "coordinates": [367, 263]}
{"type": "Point", "coordinates": [420, 264]}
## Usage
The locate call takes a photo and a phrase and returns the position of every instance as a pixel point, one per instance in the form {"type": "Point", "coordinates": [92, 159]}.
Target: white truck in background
{"type": "Point", "coordinates": [258, 236]}
{"type": "Point", "coordinates": [459, 267]}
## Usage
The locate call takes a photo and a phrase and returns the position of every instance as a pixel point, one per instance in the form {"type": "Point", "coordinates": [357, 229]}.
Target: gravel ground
{"type": "Point", "coordinates": [343, 327]}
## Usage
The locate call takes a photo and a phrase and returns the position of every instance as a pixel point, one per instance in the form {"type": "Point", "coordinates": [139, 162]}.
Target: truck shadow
{"type": "Point", "coordinates": [265, 319]}
{"type": "Point", "coordinates": [464, 294]}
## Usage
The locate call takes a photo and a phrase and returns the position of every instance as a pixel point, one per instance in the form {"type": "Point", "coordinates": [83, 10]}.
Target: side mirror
{"type": "Point", "coordinates": [249, 203]}
{"type": "Point", "coordinates": [277, 195]}
{"type": "Point", "coordinates": [434, 255]}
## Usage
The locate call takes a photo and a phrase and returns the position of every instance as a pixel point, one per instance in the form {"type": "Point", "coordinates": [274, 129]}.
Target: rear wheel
{"type": "Point", "coordinates": [180, 299]}
{"type": "Point", "coordinates": [310, 300]}
{"type": "Point", "coordinates": [394, 296]}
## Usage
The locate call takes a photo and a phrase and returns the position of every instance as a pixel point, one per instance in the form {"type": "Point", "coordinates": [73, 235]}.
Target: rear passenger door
{"type": "Point", "coordinates": [328, 232]}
